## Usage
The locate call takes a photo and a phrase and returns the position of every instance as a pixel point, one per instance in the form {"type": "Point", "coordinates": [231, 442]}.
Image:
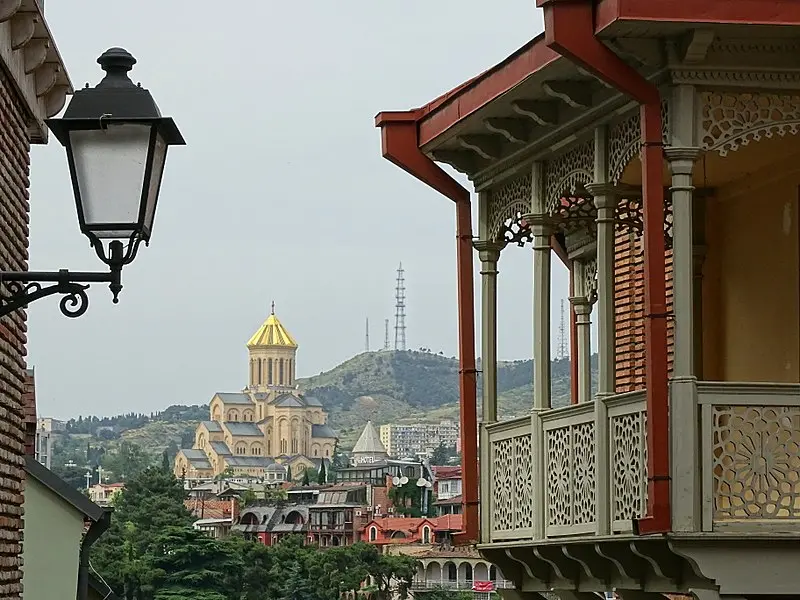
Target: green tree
{"type": "Point", "coordinates": [444, 594]}
{"type": "Point", "coordinates": [305, 480]}
{"type": "Point", "coordinates": [165, 462]}
{"type": "Point", "coordinates": [322, 476]}
{"type": "Point", "coordinates": [288, 473]}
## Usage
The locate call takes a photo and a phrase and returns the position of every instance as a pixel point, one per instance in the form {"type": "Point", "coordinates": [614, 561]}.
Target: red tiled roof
{"type": "Point", "coordinates": [210, 509]}
{"type": "Point", "coordinates": [454, 500]}
{"type": "Point", "coordinates": [448, 523]}
{"type": "Point", "coordinates": [447, 472]}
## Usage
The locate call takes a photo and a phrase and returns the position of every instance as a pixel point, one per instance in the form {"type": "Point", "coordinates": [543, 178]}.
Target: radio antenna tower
{"type": "Point", "coordinates": [386, 334]}
{"type": "Point", "coordinates": [366, 337]}
{"type": "Point", "coordinates": [562, 349]}
{"type": "Point", "coordinates": [400, 311]}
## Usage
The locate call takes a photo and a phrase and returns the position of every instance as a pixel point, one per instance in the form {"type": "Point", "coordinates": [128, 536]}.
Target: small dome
{"type": "Point", "coordinates": [276, 468]}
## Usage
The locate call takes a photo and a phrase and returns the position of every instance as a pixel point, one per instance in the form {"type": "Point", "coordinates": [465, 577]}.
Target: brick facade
{"type": "Point", "coordinates": [629, 312]}
{"type": "Point", "coordinates": [14, 170]}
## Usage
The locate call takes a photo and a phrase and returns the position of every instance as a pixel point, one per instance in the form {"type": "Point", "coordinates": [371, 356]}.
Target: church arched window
{"type": "Point", "coordinates": [233, 415]}
{"type": "Point", "coordinates": [290, 376]}
{"type": "Point", "coordinates": [280, 371]}
{"type": "Point", "coordinates": [260, 374]}
{"type": "Point", "coordinates": [241, 448]}
{"type": "Point", "coordinates": [269, 371]}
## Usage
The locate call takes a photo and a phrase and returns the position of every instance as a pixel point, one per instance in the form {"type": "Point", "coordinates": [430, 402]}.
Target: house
{"type": "Point", "coordinates": [410, 530]}
{"type": "Point", "coordinates": [60, 525]}
{"type": "Point", "coordinates": [649, 146]}
{"type": "Point", "coordinates": [338, 515]}
{"type": "Point", "coordinates": [446, 482]}
{"type": "Point", "coordinates": [103, 493]}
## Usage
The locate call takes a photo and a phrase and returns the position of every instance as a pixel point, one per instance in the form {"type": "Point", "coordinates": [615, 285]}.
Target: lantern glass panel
{"type": "Point", "coordinates": [159, 159]}
{"type": "Point", "coordinates": [109, 173]}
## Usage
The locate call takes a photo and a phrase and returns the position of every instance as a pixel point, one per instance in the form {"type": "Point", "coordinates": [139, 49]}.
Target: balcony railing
{"type": "Point", "coordinates": [464, 584]}
{"type": "Point", "coordinates": [749, 464]}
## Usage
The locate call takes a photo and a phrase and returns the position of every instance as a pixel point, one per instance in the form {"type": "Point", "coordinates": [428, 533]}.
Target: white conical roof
{"type": "Point", "coordinates": [369, 442]}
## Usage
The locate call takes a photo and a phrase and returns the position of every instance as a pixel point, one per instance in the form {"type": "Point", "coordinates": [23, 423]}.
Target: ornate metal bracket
{"type": "Point", "coordinates": [22, 288]}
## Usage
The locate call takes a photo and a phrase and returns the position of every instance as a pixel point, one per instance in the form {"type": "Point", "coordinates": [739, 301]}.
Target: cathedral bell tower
{"type": "Point", "coordinates": [272, 356]}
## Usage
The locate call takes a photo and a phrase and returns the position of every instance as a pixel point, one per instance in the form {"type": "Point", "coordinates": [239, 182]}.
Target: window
{"type": "Point", "coordinates": [280, 371]}
{"type": "Point", "coordinates": [241, 449]}
{"type": "Point", "coordinates": [426, 535]}
{"type": "Point", "coordinates": [373, 533]}
{"type": "Point", "coordinates": [269, 372]}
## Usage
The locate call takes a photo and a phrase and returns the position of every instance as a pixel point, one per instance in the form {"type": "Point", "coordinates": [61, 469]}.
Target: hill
{"type": "Point", "coordinates": [385, 387]}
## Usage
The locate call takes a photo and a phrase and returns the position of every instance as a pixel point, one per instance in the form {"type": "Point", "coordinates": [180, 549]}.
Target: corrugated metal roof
{"type": "Point", "coordinates": [243, 429]}
{"type": "Point", "coordinates": [234, 397]}
{"type": "Point", "coordinates": [322, 431]}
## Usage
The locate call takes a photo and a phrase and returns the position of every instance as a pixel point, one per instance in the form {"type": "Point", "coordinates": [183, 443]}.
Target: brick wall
{"type": "Point", "coordinates": [629, 312]}
{"type": "Point", "coordinates": [14, 163]}
{"type": "Point", "coordinates": [29, 406]}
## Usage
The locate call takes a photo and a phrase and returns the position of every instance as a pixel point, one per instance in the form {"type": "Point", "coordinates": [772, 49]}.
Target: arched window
{"type": "Point", "coordinates": [315, 452]}
{"type": "Point", "coordinates": [327, 453]}
{"type": "Point", "coordinates": [280, 371]}
{"type": "Point", "coordinates": [290, 377]}
{"type": "Point", "coordinates": [269, 441]}
{"type": "Point", "coordinates": [373, 533]}
{"type": "Point", "coordinates": [201, 440]}
{"type": "Point", "coordinates": [233, 415]}
{"type": "Point", "coordinates": [295, 436]}
{"type": "Point", "coordinates": [492, 573]}
{"type": "Point", "coordinates": [241, 448]}
{"type": "Point", "coordinates": [452, 572]}
{"type": "Point", "coordinates": [259, 372]}
{"type": "Point", "coordinates": [468, 572]}
{"type": "Point", "coordinates": [426, 535]}
{"type": "Point", "coordinates": [269, 371]}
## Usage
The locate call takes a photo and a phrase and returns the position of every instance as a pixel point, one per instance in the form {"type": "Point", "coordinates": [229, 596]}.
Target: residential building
{"type": "Point", "coordinates": [419, 439]}
{"type": "Point", "coordinates": [33, 87]}
{"type": "Point", "coordinates": [51, 425]}
{"type": "Point", "coordinates": [446, 482]}
{"type": "Point", "coordinates": [103, 494]}
{"type": "Point", "coordinates": [269, 422]}
{"type": "Point", "coordinates": [337, 517]}
{"type": "Point", "coordinates": [645, 144]}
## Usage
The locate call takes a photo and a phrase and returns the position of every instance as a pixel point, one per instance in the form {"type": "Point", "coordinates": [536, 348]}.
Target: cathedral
{"type": "Point", "coordinates": [268, 428]}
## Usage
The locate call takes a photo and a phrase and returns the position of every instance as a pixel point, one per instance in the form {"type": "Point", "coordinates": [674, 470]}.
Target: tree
{"type": "Point", "coordinates": [322, 476]}
{"type": "Point", "coordinates": [165, 463]}
{"type": "Point", "coordinates": [305, 481]}
{"type": "Point", "coordinates": [288, 473]}
{"type": "Point", "coordinates": [445, 594]}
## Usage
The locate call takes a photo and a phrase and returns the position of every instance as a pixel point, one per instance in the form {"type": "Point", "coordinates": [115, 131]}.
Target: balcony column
{"type": "Point", "coordinates": [582, 305]}
{"type": "Point", "coordinates": [683, 412]}
{"type": "Point", "coordinates": [541, 229]}
{"type": "Point", "coordinates": [489, 254]}
{"type": "Point", "coordinates": [605, 202]}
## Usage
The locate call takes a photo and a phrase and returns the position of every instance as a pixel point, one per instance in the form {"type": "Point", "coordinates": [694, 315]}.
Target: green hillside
{"type": "Point", "coordinates": [383, 387]}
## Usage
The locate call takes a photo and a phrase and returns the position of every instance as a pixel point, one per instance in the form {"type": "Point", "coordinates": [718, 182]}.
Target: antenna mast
{"type": "Point", "coordinates": [366, 337]}
{"type": "Point", "coordinates": [386, 334]}
{"type": "Point", "coordinates": [562, 349]}
{"type": "Point", "coordinates": [400, 311]}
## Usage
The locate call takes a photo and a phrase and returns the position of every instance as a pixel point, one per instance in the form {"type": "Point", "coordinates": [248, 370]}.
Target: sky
{"type": "Point", "coordinates": [281, 194]}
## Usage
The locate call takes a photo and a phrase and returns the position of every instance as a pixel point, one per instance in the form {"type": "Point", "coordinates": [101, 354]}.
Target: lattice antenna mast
{"type": "Point", "coordinates": [400, 311]}
{"type": "Point", "coordinates": [386, 334]}
{"type": "Point", "coordinates": [366, 337]}
{"type": "Point", "coordinates": [562, 350]}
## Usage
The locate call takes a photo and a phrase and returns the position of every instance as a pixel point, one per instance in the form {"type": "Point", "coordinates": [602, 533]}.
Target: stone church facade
{"type": "Point", "coordinates": [269, 422]}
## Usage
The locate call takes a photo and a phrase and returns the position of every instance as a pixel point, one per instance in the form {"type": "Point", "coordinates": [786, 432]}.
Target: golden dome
{"type": "Point", "coordinates": [272, 333]}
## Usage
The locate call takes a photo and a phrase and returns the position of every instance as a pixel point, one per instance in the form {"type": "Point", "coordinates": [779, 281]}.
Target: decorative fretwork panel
{"type": "Point", "coordinates": [507, 204]}
{"type": "Point", "coordinates": [756, 462]}
{"type": "Point", "coordinates": [512, 487]}
{"type": "Point", "coordinates": [732, 120]}
{"type": "Point", "coordinates": [567, 174]}
{"type": "Point", "coordinates": [571, 476]}
{"type": "Point", "coordinates": [628, 436]}
{"type": "Point", "coordinates": [625, 141]}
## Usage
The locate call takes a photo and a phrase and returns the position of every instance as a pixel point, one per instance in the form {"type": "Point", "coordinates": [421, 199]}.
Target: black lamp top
{"type": "Point", "coordinates": [116, 62]}
{"type": "Point", "coordinates": [116, 96]}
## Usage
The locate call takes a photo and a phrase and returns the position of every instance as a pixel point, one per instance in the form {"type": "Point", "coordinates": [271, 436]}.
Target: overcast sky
{"type": "Point", "coordinates": [281, 194]}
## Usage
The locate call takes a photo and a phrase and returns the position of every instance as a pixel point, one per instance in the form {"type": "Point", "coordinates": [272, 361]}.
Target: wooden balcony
{"type": "Point", "coordinates": [567, 484]}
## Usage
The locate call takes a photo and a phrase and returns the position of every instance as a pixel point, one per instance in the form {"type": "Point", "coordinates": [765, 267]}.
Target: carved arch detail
{"type": "Point", "coordinates": [567, 174]}
{"type": "Point", "coordinates": [731, 120]}
{"type": "Point", "coordinates": [507, 204]}
{"type": "Point", "coordinates": [624, 141]}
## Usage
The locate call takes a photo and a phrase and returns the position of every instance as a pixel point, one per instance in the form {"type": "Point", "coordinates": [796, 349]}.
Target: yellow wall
{"type": "Point", "coordinates": [751, 305]}
{"type": "Point", "coordinates": [51, 550]}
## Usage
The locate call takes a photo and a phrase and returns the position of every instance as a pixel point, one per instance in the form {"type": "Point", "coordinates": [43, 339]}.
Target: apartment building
{"type": "Point", "coordinates": [418, 439]}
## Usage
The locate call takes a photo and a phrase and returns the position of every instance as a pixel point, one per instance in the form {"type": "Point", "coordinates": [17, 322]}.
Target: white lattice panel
{"type": "Point", "coordinates": [512, 485]}
{"type": "Point", "coordinates": [628, 463]}
{"type": "Point", "coordinates": [756, 462]}
{"type": "Point", "coordinates": [570, 469]}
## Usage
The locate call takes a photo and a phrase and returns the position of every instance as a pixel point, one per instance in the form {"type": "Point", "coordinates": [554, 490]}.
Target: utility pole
{"type": "Point", "coordinates": [386, 334]}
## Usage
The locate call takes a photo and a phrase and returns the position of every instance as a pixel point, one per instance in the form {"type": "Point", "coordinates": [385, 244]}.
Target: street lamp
{"type": "Point", "coordinates": [116, 142]}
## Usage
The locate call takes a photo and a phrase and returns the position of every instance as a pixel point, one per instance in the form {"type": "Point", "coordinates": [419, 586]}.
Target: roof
{"type": "Point", "coordinates": [288, 401]}
{"type": "Point", "coordinates": [197, 458]}
{"type": "Point", "coordinates": [62, 489]}
{"type": "Point", "coordinates": [446, 472]}
{"type": "Point", "coordinates": [322, 431]}
{"type": "Point", "coordinates": [369, 442]}
{"type": "Point", "coordinates": [234, 397]}
{"type": "Point", "coordinates": [407, 524]}
{"type": "Point", "coordinates": [311, 401]}
{"type": "Point", "coordinates": [450, 501]}
{"type": "Point", "coordinates": [248, 461]}
{"type": "Point", "coordinates": [272, 333]}
{"type": "Point", "coordinates": [243, 429]}
{"type": "Point", "coordinates": [212, 426]}
{"type": "Point", "coordinates": [221, 448]}
{"type": "Point", "coordinates": [209, 509]}
{"type": "Point", "coordinates": [448, 523]}
{"type": "Point", "coordinates": [277, 468]}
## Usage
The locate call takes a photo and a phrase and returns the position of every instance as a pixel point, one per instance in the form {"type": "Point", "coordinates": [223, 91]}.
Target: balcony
{"type": "Point", "coordinates": [434, 584]}
{"type": "Point", "coordinates": [567, 484]}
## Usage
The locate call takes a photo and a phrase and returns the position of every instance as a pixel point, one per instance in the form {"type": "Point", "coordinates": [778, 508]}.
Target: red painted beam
{"type": "Point", "coordinates": [570, 30]}
{"type": "Point", "coordinates": [400, 145]}
{"type": "Point", "coordinates": [714, 12]}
